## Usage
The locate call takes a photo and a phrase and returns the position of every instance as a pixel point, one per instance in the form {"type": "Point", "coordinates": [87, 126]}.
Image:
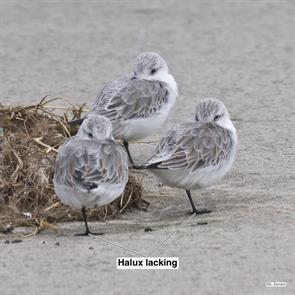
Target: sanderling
{"type": "Point", "coordinates": [138, 104]}
{"type": "Point", "coordinates": [91, 168]}
{"type": "Point", "coordinates": [197, 154]}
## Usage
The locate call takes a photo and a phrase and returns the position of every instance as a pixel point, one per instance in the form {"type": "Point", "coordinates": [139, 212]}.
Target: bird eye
{"type": "Point", "coordinates": [217, 117]}
{"type": "Point", "coordinates": [153, 71]}
{"type": "Point", "coordinates": [134, 76]}
{"type": "Point", "coordinates": [90, 134]}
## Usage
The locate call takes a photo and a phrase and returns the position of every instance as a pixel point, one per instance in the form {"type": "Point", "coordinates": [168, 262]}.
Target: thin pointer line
{"type": "Point", "coordinates": [170, 236]}
{"type": "Point", "coordinates": [117, 245]}
{"type": "Point", "coordinates": [153, 251]}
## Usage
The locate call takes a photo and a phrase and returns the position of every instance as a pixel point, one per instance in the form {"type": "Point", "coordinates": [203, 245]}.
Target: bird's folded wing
{"type": "Point", "coordinates": [86, 165]}
{"type": "Point", "coordinates": [109, 91]}
{"type": "Point", "coordinates": [192, 146]}
{"type": "Point", "coordinates": [135, 100]}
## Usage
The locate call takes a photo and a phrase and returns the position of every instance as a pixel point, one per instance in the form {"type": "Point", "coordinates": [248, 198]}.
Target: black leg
{"type": "Point", "coordinates": [87, 232]}
{"type": "Point", "coordinates": [85, 220]}
{"type": "Point", "coordinates": [196, 211]}
{"type": "Point", "coordinates": [126, 146]}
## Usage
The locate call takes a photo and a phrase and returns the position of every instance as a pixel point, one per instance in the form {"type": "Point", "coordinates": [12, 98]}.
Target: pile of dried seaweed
{"type": "Point", "coordinates": [29, 139]}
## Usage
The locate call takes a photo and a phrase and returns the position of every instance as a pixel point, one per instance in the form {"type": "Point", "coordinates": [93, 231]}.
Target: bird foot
{"type": "Point", "coordinates": [88, 233]}
{"type": "Point", "coordinates": [199, 211]}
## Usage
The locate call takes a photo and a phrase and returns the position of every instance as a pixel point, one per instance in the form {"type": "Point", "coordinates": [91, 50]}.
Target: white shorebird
{"type": "Point", "coordinates": [138, 104]}
{"type": "Point", "coordinates": [197, 154]}
{"type": "Point", "coordinates": [91, 169]}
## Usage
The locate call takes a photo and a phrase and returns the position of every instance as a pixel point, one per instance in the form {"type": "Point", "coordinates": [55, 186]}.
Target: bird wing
{"type": "Point", "coordinates": [110, 90]}
{"type": "Point", "coordinates": [134, 99]}
{"type": "Point", "coordinates": [192, 146]}
{"type": "Point", "coordinates": [85, 164]}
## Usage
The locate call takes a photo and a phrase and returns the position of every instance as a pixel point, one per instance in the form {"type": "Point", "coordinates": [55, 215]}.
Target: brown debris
{"type": "Point", "coordinates": [29, 139]}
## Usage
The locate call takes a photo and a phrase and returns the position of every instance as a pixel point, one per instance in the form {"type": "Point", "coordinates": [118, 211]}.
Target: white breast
{"type": "Point", "coordinates": [77, 198]}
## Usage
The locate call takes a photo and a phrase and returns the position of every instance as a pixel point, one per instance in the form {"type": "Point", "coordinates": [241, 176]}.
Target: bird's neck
{"type": "Point", "coordinates": [168, 80]}
{"type": "Point", "coordinates": [227, 124]}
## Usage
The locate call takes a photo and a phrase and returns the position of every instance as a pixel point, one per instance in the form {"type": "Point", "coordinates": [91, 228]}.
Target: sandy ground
{"type": "Point", "coordinates": [241, 52]}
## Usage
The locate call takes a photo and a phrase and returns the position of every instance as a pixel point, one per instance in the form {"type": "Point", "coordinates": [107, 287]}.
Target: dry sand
{"type": "Point", "coordinates": [241, 52]}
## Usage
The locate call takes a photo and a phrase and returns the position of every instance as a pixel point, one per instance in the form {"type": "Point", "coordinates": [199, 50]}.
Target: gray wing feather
{"type": "Point", "coordinates": [193, 146]}
{"type": "Point", "coordinates": [132, 99]}
{"type": "Point", "coordinates": [86, 164]}
{"type": "Point", "coordinates": [110, 90]}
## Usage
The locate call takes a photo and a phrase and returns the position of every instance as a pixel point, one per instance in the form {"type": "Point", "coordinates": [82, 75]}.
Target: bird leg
{"type": "Point", "coordinates": [87, 232]}
{"type": "Point", "coordinates": [126, 146]}
{"type": "Point", "coordinates": [196, 211]}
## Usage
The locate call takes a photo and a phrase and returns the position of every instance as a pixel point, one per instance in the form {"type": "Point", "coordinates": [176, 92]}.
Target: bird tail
{"type": "Point", "coordinates": [149, 166]}
{"type": "Point", "coordinates": [76, 122]}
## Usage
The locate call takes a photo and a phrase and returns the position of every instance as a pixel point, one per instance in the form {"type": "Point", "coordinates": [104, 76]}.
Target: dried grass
{"type": "Point", "coordinates": [29, 139]}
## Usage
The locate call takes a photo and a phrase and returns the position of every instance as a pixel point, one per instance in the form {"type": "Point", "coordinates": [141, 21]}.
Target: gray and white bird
{"type": "Point", "coordinates": [91, 168]}
{"type": "Point", "coordinates": [197, 154]}
{"type": "Point", "coordinates": [138, 104]}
